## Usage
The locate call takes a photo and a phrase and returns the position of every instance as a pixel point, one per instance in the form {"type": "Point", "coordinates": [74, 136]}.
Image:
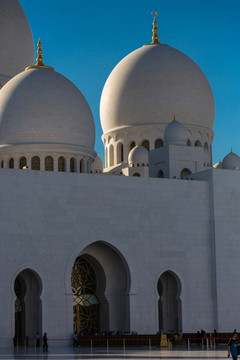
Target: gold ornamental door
{"type": "Point", "coordinates": [86, 308]}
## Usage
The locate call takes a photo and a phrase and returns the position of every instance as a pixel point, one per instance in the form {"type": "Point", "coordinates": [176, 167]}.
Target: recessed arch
{"type": "Point", "coordinates": [185, 172]}
{"type": "Point", "coordinates": [206, 145]}
{"type": "Point", "coordinates": [119, 152]}
{"type": "Point", "coordinates": [82, 166]}
{"type": "Point", "coordinates": [137, 174]}
{"type": "Point", "coordinates": [11, 163]}
{"type": "Point", "coordinates": [22, 162]}
{"type": "Point", "coordinates": [145, 143]}
{"type": "Point", "coordinates": [61, 164]}
{"type": "Point", "coordinates": [158, 143]}
{"type": "Point", "coordinates": [35, 163]}
{"type": "Point", "coordinates": [108, 265]}
{"type": "Point", "coordinates": [73, 165]}
{"type": "Point", "coordinates": [48, 163]}
{"type": "Point", "coordinates": [28, 306]}
{"type": "Point", "coordinates": [198, 143]}
{"type": "Point", "coordinates": [132, 145]}
{"type": "Point", "coordinates": [169, 303]}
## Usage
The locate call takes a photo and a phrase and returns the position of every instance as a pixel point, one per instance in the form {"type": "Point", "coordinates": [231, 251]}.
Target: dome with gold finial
{"type": "Point", "coordinates": [40, 107]}
{"type": "Point", "coordinates": [151, 84]}
{"type": "Point", "coordinates": [16, 41]}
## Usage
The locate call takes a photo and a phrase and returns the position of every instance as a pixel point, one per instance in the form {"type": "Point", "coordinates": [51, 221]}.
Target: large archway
{"type": "Point", "coordinates": [169, 303]}
{"type": "Point", "coordinates": [101, 290]}
{"type": "Point", "coordinates": [28, 307]}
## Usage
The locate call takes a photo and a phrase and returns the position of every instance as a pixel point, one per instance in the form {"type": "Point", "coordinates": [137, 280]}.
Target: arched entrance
{"type": "Point", "coordinates": [100, 284]}
{"type": "Point", "coordinates": [169, 303]}
{"type": "Point", "coordinates": [28, 308]}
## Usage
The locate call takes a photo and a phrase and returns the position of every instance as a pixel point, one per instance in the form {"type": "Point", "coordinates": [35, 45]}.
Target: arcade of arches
{"type": "Point", "coordinates": [100, 303]}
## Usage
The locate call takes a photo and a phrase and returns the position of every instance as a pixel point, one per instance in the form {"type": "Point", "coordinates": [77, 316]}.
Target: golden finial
{"type": "Point", "coordinates": [219, 160]}
{"type": "Point", "coordinates": [155, 30]}
{"type": "Point", "coordinates": [231, 150]}
{"type": "Point", "coordinates": [39, 59]}
{"type": "Point", "coordinates": [174, 118]}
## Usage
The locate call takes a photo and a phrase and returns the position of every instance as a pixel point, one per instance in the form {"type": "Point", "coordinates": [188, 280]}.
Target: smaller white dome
{"type": "Point", "coordinates": [175, 133]}
{"type": "Point", "coordinates": [231, 161]}
{"type": "Point", "coordinates": [218, 165]}
{"type": "Point", "coordinates": [97, 165]}
{"type": "Point", "coordinates": [138, 156]}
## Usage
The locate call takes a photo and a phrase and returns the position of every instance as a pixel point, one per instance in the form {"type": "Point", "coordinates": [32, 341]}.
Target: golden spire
{"type": "Point", "coordinates": [174, 118]}
{"type": "Point", "coordinates": [39, 60]}
{"type": "Point", "coordinates": [155, 30]}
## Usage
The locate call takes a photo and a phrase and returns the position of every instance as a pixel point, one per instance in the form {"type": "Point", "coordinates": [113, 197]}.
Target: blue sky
{"type": "Point", "coordinates": [84, 40]}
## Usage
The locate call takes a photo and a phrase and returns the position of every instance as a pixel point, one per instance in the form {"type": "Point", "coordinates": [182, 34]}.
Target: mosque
{"type": "Point", "coordinates": [148, 242]}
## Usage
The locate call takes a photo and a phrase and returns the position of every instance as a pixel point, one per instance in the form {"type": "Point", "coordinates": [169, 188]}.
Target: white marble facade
{"type": "Point", "coordinates": [161, 236]}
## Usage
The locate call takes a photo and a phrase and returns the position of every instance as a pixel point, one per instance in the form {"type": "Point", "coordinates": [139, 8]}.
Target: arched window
{"type": "Point", "coordinates": [145, 144]}
{"type": "Point", "coordinates": [158, 143]}
{"type": "Point", "coordinates": [61, 164]}
{"type": "Point", "coordinates": [206, 145]}
{"type": "Point", "coordinates": [106, 157]}
{"type": "Point", "coordinates": [72, 165]}
{"type": "Point", "coordinates": [82, 166]}
{"type": "Point", "coordinates": [2, 164]}
{"type": "Point", "coordinates": [22, 162]}
{"type": "Point", "coordinates": [119, 153]}
{"type": "Point", "coordinates": [132, 145]}
{"type": "Point", "coordinates": [35, 163]}
{"type": "Point", "coordinates": [160, 174]}
{"type": "Point", "coordinates": [137, 174]}
{"type": "Point", "coordinates": [11, 163]}
{"type": "Point", "coordinates": [48, 163]}
{"type": "Point", "coordinates": [185, 172]}
{"type": "Point", "coordinates": [198, 143]}
{"type": "Point", "coordinates": [189, 142]}
{"type": "Point", "coordinates": [111, 155]}
{"type": "Point", "coordinates": [88, 166]}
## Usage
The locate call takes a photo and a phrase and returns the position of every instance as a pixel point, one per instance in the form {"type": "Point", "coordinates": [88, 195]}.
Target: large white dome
{"type": "Point", "coordinates": [16, 42]}
{"type": "Point", "coordinates": [152, 84]}
{"type": "Point", "coordinates": [40, 106]}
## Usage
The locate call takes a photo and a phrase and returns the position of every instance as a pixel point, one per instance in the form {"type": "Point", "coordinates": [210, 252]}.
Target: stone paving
{"type": "Point", "coordinates": [68, 353]}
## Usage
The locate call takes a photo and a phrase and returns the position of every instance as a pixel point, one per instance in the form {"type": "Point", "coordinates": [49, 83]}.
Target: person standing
{"type": "Point", "coordinates": [45, 343]}
{"type": "Point", "coordinates": [233, 346]}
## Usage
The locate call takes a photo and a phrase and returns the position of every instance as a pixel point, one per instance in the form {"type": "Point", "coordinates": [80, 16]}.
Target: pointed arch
{"type": "Point", "coordinates": [119, 152]}
{"type": "Point", "coordinates": [169, 304]}
{"type": "Point", "coordinates": [28, 306]}
{"type": "Point", "coordinates": [113, 296]}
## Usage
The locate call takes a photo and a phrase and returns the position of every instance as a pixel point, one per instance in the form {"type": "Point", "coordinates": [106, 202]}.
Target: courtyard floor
{"type": "Point", "coordinates": [68, 353]}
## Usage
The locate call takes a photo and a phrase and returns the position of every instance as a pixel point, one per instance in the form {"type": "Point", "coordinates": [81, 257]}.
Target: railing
{"type": "Point", "coordinates": [207, 341]}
